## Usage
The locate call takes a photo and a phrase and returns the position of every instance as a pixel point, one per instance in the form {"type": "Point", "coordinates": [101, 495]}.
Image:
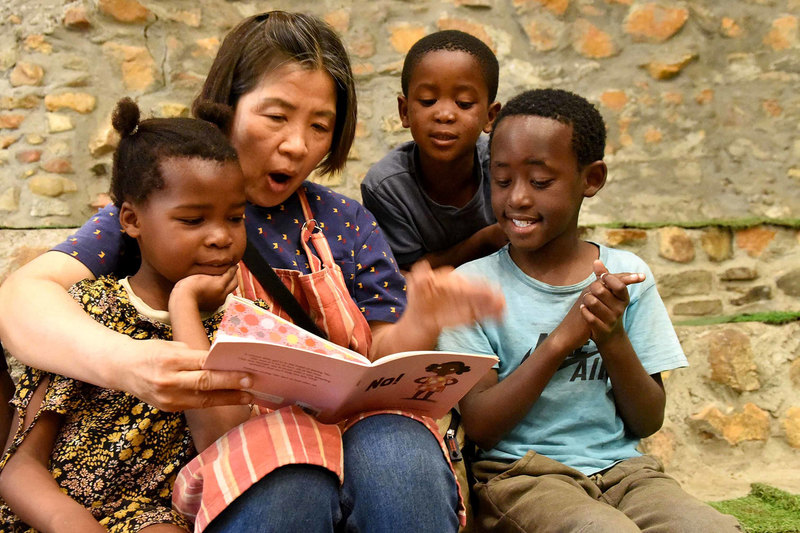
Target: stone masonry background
{"type": "Point", "coordinates": [703, 155]}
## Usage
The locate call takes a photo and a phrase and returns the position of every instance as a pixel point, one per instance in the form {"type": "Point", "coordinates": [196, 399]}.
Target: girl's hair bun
{"type": "Point", "coordinates": [220, 115]}
{"type": "Point", "coordinates": [126, 117]}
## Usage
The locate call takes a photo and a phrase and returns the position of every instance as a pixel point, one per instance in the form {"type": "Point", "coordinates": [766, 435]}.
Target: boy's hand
{"type": "Point", "coordinates": [441, 298]}
{"type": "Point", "coordinates": [604, 302]}
{"type": "Point", "coordinates": [209, 292]}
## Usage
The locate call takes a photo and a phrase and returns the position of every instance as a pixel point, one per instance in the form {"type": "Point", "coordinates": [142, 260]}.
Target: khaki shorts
{"type": "Point", "coordinates": [537, 493]}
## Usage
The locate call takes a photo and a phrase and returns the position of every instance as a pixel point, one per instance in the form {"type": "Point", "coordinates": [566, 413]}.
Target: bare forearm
{"type": "Point", "coordinates": [456, 255]}
{"type": "Point", "coordinates": [210, 423]}
{"type": "Point", "coordinates": [639, 397]}
{"type": "Point", "coordinates": [187, 326]}
{"type": "Point", "coordinates": [35, 305]}
{"type": "Point", "coordinates": [404, 335]}
{"type": "Point", "coordinates": [436, 299]}
{"type": "Point", "coordinates": [41, 504]}
{"type": "Point", "coordinates": [479, 244]}
{"type": "Point", "coordinates": [491, 412]}
{"type": "Point", "coordinates": [29, 488]}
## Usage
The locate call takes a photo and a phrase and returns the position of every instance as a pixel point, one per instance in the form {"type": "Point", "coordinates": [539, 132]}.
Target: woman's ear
{"type": "Point", "coordinates": [129, 220]}
{"type": "Point", "coordinates": [594, 177]}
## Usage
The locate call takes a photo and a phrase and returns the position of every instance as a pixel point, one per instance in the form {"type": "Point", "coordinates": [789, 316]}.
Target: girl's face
{"type": "Point", "coordinates": [194, 225]}
{"type": "Point", "coordinates": [282, 129]}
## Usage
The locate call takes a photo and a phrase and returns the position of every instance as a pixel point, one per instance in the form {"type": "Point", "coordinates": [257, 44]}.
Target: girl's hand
{"type": "Point", "coordinates": [175, 377]}
{"type": "Point", "coordinates": [209, 292]}
{"type": "Point", "coordinates": [442, 298]}
{"type": "Point", "coordinates": [604, 302]}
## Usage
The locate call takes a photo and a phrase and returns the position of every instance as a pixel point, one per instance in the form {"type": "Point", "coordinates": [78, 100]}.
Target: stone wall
{"type": "Point", "coordinates": [733, 416]}
{"type": "Point", "coordinates": [702, 111]}
{"type": "Point", "coordinates": [699, 96]}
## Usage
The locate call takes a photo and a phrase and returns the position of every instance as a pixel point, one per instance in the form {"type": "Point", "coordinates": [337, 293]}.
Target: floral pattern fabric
{"type": "Point", "coordinates": [115, 454]}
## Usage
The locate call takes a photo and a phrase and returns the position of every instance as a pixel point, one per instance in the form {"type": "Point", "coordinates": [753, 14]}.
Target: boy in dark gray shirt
{"type": "Point", "coordinates": [431, 195]}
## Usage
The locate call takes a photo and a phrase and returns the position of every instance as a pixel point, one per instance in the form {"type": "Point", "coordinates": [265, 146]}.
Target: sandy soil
{"type": "Point", "coordinates": [710, 484]}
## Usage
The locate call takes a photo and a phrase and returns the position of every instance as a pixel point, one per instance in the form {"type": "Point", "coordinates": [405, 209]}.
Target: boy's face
{"type": "Point", "coordinates": [447, 105]}
{"type": "Point", "coordinates": [194, 225]}
{"type": "Point", "coordinates": [537, 187]}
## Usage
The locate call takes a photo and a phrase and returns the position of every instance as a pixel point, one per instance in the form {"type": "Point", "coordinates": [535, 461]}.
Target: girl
{"type": "Point", "coordinates": [85, 458]}
{"type": "Point", "coordinates": [288, 79]}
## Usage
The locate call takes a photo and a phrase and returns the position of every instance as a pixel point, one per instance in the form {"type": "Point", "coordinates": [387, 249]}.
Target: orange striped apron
{"type": "Point", "coordinates": [322, 293]}
{"type": "Point", "coordinates": [241, 457]}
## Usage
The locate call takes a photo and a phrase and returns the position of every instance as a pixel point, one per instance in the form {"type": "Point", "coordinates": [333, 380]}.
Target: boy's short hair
{"type": "Point", "coordinates": [588, 127]}
{"type": "Point", "coordinates": [453, 41]}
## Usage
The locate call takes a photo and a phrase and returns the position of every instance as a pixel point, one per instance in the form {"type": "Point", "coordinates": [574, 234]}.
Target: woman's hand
{"type": "Point", "coordinates": [45, 328]}
{"type": "Point", "coordinates": [169, 375]}
{"type": "Point", "coordinates": [442, 298]}
{"type": "Point", "coordinates": [436, 299]}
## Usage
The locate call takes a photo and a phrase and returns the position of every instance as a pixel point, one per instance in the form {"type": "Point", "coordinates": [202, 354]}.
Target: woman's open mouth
{"type": "Point", "coordinates": [279, 177]}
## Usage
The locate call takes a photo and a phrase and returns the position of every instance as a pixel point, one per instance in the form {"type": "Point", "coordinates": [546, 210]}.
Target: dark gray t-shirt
{"type": "Point", "coordinates": [413, 223]}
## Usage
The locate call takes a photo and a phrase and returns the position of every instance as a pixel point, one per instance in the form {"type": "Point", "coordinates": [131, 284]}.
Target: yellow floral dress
{"type": "Point", "coordinates": [115, 454]}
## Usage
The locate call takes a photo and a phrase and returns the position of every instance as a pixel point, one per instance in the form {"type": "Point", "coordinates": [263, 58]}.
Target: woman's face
{"type": "Point", "coordinates": [282, 129]}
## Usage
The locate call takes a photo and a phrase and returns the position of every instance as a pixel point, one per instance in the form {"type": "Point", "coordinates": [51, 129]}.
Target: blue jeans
{"type": "Point", "coordinates": [396, 480]}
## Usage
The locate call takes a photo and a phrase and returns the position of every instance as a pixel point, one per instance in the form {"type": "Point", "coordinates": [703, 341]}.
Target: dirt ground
{"type": "Point", "coordinates": [708, 485]}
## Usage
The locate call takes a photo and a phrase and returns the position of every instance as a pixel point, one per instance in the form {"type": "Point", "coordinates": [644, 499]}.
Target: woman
{"type": "Point", "coordinates": [288, 79]}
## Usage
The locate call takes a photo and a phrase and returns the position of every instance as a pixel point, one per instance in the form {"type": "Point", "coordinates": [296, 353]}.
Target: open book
{"type": "Point", "coordinates": [294, 367]}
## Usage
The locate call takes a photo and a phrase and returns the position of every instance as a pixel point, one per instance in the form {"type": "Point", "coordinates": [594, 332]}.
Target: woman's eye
{"type": "Point", "coordinates": [276, 118]}
{"type": "Point", "coordinates": [324, 128]}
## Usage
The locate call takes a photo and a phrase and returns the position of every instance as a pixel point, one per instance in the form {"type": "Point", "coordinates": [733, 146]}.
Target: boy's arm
{"type": "Point", "coordinates": [483, 242]}
{"type": "Point", "coordinates": [28, 487]}
{"type": "Point", "coordinates": [188, 297]}
{"type": "Point", "coordinates": [436, 299]}
{"type": "Point", "coordinates": [640, 397]}
{"type": "Point", "coordinates": [491, 409]}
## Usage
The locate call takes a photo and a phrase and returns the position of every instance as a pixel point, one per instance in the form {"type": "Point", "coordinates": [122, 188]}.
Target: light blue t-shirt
{"type": "Point", "coordinates": [575, 420]}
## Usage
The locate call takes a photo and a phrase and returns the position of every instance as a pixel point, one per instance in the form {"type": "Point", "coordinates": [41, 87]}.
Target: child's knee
{"type": "Point", "coordinates": [524, 511]}
{"type": "Point", "coordinates": [701, 518]}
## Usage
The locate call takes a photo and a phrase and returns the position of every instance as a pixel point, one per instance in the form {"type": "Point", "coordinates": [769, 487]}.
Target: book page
{"type": "Point", "coordinates": [294, 367]}
{"type": "Point", "coordinates": [247, 320]}
{"type": "Point", "coordinates": [426, 383]}
{"type": "Point", "coordinates": [288, 375]}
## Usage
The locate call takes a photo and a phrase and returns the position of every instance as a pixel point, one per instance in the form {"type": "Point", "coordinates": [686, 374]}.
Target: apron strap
{"type": "Point", "coordinates": [312, 233]}
{"type": "Point", "coordinates": [271, 283]}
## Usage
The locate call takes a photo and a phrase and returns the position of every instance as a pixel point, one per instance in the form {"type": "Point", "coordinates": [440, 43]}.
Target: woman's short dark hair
{"type": "Point", "coordinates": [144, 145]}
{"type": "Point", "coordinates": [262, 43]}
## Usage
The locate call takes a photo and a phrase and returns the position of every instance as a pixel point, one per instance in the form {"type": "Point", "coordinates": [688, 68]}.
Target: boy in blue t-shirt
{"type": "Point", "coordinates": [581, 349]}
{"type": "Point", "coordinates": [431, 195]}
